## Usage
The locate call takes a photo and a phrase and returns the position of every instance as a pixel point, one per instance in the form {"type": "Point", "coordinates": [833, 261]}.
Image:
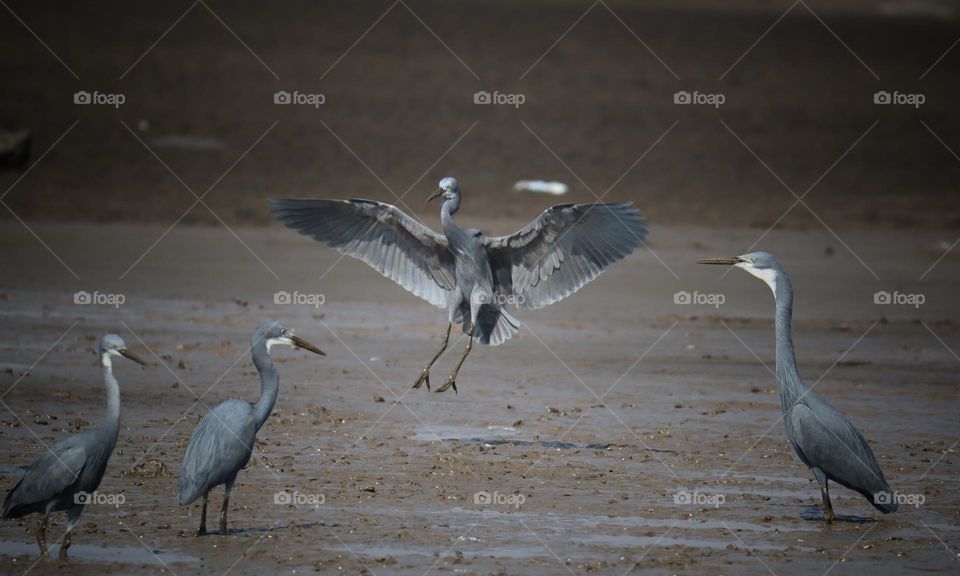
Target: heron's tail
{"type": "Point", "coordinates": [884, 499]}
{"type": "Point", "coordinates": [495, 325]}
{"type": "Point", "coordinates": [189, 491]}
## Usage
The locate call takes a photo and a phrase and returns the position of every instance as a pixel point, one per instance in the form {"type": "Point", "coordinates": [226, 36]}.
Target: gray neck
{"type": "Point", "coordinates": [111, 423]}
{"type": "Point", "coordinates": [269, 383]}
{"type": "Point", "coordinates": [791, 387]}
{"type": "Point", "coordinates": [447, 211]}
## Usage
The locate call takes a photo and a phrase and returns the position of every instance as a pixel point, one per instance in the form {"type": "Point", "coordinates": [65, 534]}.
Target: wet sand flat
{"type": "Point", "coordinates": [617, 431]}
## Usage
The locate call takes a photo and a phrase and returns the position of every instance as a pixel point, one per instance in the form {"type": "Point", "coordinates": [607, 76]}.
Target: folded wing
{"type": "Point", "coordinates": [392, 243]}
{"type": "Point", "coordinates": [566, 247]}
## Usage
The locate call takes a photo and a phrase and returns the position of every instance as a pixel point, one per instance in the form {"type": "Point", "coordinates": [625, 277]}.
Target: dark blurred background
{"type": "Point", "coordinates": [399, 78]}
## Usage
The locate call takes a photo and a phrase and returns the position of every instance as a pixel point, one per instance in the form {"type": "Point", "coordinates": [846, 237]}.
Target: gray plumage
{"type": "Point", "coordinates": [71, 470]}
{"type": "Point", "coordinates": [222, 442]}
{"type": "Point", "coordinates": [472, 275]}
{"type": "Point", "coordinates": [824, 439]}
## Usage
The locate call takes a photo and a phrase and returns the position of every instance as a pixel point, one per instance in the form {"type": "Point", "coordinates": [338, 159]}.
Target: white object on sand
{"type": "Point", "coordinates": [541, 186]}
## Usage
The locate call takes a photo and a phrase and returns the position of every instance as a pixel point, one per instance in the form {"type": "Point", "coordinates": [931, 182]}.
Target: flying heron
{"type": "Point", "coordinates": [823, 437]}
{"type": "Point", "coordinates": [470, 274]}
{"type": "Point", "coordinates": [68, 474]}
{"type": "Point", "coordinates": [222, 442]}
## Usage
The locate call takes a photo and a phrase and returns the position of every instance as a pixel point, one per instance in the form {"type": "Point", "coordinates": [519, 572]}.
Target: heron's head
{"type": "Point", "coordinates": [763, 265]}
{"type": "Point", "coordinates": [112, 345]}
{"type": "Point", "coordinates": [449, 188]}
{"type": "Point", "coordinates": [272, 333]}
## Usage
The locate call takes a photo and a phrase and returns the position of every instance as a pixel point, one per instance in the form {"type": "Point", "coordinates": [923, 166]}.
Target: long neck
{"type": "Point", "coordinates": [791, 387]}
{"type": "Point", "coordinates": [269, 383]}
{"type": "Point", "coordinates": [447, 211]}
{"type": "Point", "coordinates": [111, 423]}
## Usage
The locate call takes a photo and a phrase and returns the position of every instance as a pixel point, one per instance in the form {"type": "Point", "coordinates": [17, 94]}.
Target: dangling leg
{"type": "Point", "coordinates": [72, 518]}
{"type": "Point", "coordinates": [226, 502]}
{"type": "Point", "coordinates": [452, 380]}
{"type": "Point", "coordinates": [425, 373]}
{"type": "Point", "coordinates": [828, 514]}
{"type": "Point", "coordinates": [42, 533]}
{"type": "Point", "coordinates": [202, 531]}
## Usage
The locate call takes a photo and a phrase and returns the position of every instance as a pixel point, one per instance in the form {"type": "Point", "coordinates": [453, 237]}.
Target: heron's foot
{"type": "Point", "coordinates": [450, 383]}
{"type": "Point", "coordinates": [223, 525]}
{"type": "Point", "coordinates": [63, 555]}
{"type": "Point", "coordinates": [829, 516]}
{"type": "Point", "coordinates": [423, 379]}
{"type": "Point", "coordinates": [201, 531]}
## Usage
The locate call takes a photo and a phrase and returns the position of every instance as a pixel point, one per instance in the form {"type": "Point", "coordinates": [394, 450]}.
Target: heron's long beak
{"type": "Point", "coordinates": [301, 343]}
{"type": "Point", "coordinates": [439, 192]}
{"type": "Point", "coordinates": [721, 261]}
{"type": "Point", "coordinates": [128, 354]}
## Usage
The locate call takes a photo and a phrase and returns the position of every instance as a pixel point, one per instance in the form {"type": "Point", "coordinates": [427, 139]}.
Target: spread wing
{"type": "Point", "coordinates": [381, 235]}
{"type": "Point", "coordinates": [564, 248]}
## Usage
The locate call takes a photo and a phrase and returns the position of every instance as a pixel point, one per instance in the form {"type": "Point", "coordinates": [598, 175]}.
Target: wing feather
{"type": "Point", "coordinates": [383, 236]}
{"type": "Point", "coordinates": [566, 247]}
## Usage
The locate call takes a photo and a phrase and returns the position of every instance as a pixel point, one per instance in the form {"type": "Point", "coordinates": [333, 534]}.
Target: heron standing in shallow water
{"type": "Point", "coordinates": [69, 473]}
{"type": "Point", "coordinates": [222, 442]}
{"type": "Point", "coordinates": [470, 274]}
{"type": "Point", "coordinates": [823, 437]}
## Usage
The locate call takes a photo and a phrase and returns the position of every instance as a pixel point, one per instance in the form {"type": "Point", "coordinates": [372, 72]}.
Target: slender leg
{"type": "Point", "coordinates": [425, 373]}
{"type": "Point", "coordinates": [828, 514]}
{"type": "Point", "coordinates": [452, 380]}
{"type": "Point", "coordinates": [71, 521]}
{"type": "Point", "coordinates": [223, 509]}
{"type": "Point", "coordinates": [203, 517]}
{"type": "Point", "coordinates": [42, 533]}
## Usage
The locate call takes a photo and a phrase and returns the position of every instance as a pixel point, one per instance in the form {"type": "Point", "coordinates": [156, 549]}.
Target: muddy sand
{"type": "Point", "coordinates": [588, 430]}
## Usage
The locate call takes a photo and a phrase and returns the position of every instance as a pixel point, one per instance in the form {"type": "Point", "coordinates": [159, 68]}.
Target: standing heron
{"type": "Point", "coordinates": [470, 274]}
{"type": "Point", "coordinates": [222, 442]}
{"type": "Point", "coordinates": [823, 437]}
{"type": "Point", "coordinates": [66, 476]}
